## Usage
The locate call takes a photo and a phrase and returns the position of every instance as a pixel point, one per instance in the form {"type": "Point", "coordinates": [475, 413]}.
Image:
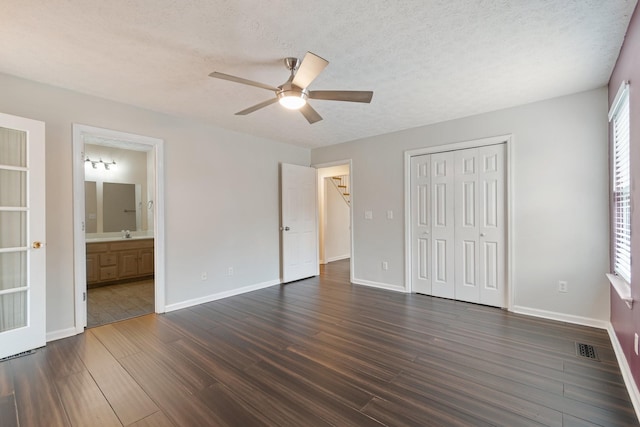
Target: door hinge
{"type": "Point", "coordinates": [82, 225]}
{"type": "Point", "coordinates": [84, 296]}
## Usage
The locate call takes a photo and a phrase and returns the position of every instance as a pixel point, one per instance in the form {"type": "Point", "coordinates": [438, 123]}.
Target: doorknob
{"type": "Point", "coordinates": [36, 245]}
{"type": "Point", "coordinates": [287, 229]}
{"type": "Point", "coordinates": [482, 234]}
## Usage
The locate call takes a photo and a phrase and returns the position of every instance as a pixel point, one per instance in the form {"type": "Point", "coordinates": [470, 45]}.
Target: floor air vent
{"type": "Point", "coordinates": [587, 351]}
{"type": "Point", "coordinates": [15, 356]}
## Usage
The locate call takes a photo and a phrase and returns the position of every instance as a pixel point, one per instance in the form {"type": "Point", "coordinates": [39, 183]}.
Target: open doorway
{"type": "Point", "coordinates": [118, 226]}
{"type": "Point", "coordinates": [335, 198]}
{"type": "Point", "coordinates": [118, 234]}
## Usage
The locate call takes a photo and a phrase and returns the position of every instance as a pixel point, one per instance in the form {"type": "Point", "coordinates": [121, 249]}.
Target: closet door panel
{"type": "Point", "coordinates": [492, 254]}
{"type": "Point", "coordinates": [421, 224]}
{"type": "Point", "coordinates": [442, 227]}
{"type": "Point", "coordinates": [466, 232]}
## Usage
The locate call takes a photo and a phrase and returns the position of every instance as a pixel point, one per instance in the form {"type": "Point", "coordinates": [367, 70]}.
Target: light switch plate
{"type": "Point", "coordinates": [368, 214]}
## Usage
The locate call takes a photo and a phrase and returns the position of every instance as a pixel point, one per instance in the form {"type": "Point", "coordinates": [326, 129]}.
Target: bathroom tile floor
{"type": "Point", "coordinates": [112, 303]}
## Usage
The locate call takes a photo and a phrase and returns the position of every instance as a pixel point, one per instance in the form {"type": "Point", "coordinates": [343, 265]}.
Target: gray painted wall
{"type": "Point", "coordinates": [559, 200]}
{"type": "Point", "coordinates": [221, 194]}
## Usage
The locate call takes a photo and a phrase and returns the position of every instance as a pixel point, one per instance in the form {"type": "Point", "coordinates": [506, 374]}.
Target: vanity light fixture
{"type": "Point", "coordinates": [94, 163]}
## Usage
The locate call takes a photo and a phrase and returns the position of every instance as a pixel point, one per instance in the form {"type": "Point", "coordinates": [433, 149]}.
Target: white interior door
{"type": "Point", "coordinates": [421, 223]}
{"type": "Point", "coordinates": [299, 222]}
{"type": "Point", "coordinates": [492, 219]}
{"type": "Point", "coordinates": [458, 224]}
{"type": "Point", "coordinates": [22, 233]}
{"type": "Point", "coordinates": [442, 224]}
{"type": "Point", "coordinates": [466, 225]}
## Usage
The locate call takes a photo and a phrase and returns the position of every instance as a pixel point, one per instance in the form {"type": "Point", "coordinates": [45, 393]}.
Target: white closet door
{"type": "Point", "coordinates": [458, 227]}
{"type": "Point", "coordinates": [421, 223]}
{"type": "Point", "coordinates": [466, 225]}
{"type": "Point", "coordinates": [492, 254]}
{"type": "Point", "coordinates": [442, 224]}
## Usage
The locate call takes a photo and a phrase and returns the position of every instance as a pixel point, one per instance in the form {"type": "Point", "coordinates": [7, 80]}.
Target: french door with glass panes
{"type": "Point", "coordinates": [22, 233]}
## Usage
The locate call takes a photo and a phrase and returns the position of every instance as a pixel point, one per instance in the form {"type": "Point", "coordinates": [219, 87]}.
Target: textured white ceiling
{"type": "Point", "coordinates": [426, 61]}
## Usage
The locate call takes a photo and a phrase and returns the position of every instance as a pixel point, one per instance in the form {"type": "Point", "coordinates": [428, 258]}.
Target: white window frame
{"type": "Point", "coordinates": [621, 185]}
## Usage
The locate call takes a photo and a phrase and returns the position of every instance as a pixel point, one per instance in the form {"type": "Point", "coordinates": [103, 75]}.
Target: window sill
{"type": "Point", "coordinates": [622, 288]}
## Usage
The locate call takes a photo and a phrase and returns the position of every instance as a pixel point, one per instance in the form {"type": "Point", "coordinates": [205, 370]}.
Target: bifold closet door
{"type": "Point", "coordinates": [492, 210]}
{"type": "Point", "coordinates": [467, 234]}
{"type": "Point", "coordinates": [421, 224]}
{"type": "Point", "coordinates": [432, 224]}
{"type": "Point", "coordinates": [458, 224]}
{"type": "Point", "coordinates": [442, 225]}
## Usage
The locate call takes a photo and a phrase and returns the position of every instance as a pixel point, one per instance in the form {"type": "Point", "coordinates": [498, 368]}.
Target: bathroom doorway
{"type": "Point", "coordinates": [118, 233]}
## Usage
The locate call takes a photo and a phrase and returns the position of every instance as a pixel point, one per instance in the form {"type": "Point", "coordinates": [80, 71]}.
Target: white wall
{"type": "Point", "coordinates": [559, 207]}
{"type": "Point", "coordinates": [212, 222]}
{"type": "Point", "coordinates": [338, 220]}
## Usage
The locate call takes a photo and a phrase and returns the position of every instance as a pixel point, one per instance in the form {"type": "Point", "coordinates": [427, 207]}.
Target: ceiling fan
{"type": "Point", "coordinates": [293, 93]}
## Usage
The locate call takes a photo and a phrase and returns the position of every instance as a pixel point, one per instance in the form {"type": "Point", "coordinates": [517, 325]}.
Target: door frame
{"type": "Point", "coordinates": [507, 140]}
{"type": "Point", "coordinates": [123, 140]}
{"type": "Point", "coordinates": [349, 163]}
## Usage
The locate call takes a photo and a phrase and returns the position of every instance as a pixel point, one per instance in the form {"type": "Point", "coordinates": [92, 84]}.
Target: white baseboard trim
{"type": "Point", "coordinates": [387, 286]}
{"type": "Point", "coordinates": [632, 388]}
{"type": "Point", "coordinates": [220, 295]}
{"type": "Point", "coordinates": [62, 333]}
{"type": "Point", "coordinates": [561, 317]}
{"type": "Point", "coordinates": [337, 258]}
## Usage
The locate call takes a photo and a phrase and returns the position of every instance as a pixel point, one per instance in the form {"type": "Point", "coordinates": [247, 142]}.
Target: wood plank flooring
{"type": "Point", "coordinates": [320, 352]}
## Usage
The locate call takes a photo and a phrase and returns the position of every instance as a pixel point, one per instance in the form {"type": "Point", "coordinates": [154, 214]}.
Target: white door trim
{"type": "Point", "coordinates": [101, 136]}
{"type": "Point", "coordinates": [348, 162]}
{"type": "Point", "coordinates": [507, 140]}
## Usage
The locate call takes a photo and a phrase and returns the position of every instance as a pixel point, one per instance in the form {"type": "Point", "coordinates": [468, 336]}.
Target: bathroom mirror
{"type": "Point", "coordinates": [120, 207]}
{"type": "Point", "coordinates": [114, 206]}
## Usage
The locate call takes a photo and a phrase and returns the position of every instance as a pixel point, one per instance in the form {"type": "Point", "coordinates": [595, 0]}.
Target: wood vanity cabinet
{"type": "Point", "coordinates": [119, 261]}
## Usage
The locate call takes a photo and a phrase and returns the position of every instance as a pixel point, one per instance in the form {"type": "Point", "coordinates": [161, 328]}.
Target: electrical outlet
{"type": "Point", "coordinates": [203, 275]}
{"type": "Point", "coordinates": [389, 214]}
{"type": "Point", "coordinates": [230, 271]}
{"type": "Point", "coordinates": [368, 214]}
{"type": "Point", "coordinates": [562, 286]}
{"type": "Point", "coordinates": [635, 343]}
{"type": "Point", "coordinates": [385, 265]}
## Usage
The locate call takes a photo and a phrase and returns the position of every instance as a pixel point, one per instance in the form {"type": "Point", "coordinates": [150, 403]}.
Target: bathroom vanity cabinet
{"type": "Point", "coordinates": [119, 261]}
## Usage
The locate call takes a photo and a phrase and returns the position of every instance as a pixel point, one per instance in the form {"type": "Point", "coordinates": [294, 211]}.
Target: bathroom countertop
{"type": "Point", "coordinates": [114, 238]}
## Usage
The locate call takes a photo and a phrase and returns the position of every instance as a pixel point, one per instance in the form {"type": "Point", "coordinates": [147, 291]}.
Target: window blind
{"type": "Point", "coordinates": [621, 185]}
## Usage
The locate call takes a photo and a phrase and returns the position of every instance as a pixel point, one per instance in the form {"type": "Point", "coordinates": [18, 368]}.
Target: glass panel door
{"type": "Point", "coordinates": [13, 229]}
{"type": "Point", "coordinates": [22, 231]}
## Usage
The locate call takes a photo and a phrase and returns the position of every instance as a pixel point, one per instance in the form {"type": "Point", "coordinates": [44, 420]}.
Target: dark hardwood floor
{"type": "Point", "coordinates": [320, 352]}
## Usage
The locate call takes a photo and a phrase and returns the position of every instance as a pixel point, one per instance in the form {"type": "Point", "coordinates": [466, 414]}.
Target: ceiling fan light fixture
{"type": "Point", "coordinates": [292, 99]}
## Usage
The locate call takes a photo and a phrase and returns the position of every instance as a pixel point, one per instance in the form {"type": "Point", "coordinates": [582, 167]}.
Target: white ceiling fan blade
{"type": "Point", "coordinates": [257, 107]}
{"type": "Point", "coordinates": [310, 114]}
{"type": "Point", "coordinates": [311, 66]}
{"type": "Point", "coordinates": [342, 95]}
{"type": "Point", "coordinates": [235, 79]}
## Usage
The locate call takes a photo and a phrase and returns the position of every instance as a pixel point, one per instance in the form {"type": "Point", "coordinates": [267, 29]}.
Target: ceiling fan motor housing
{"type": "Point", "coordinates": [292, 96]}
{"type": "Point", "coordinates": [291, 63]}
